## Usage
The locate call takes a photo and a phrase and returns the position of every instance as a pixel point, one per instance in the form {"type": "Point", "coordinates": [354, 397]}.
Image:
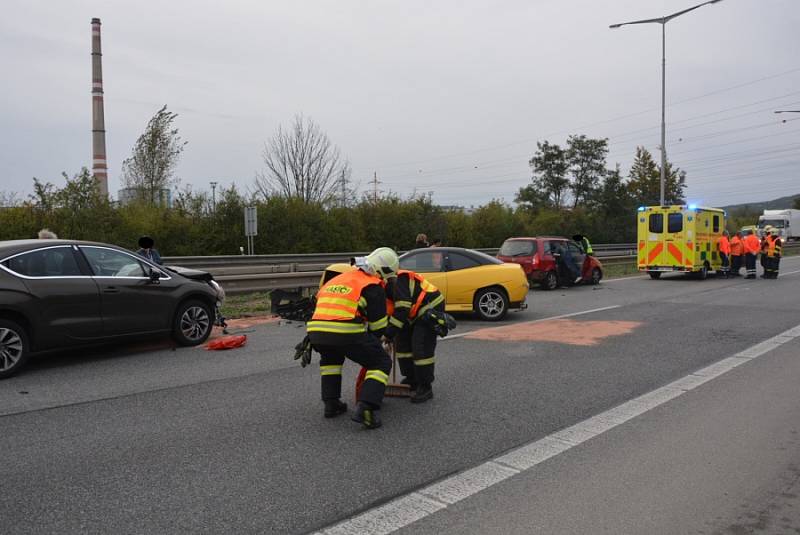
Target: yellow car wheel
{"type": "Point", "coordinates": [491, 304]}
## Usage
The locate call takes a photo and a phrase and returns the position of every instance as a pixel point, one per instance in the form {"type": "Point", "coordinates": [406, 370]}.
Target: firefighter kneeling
{"type": "Point", "coordinates": [348, 321]}
{"type": "Point", "coordinates": [417, 319]}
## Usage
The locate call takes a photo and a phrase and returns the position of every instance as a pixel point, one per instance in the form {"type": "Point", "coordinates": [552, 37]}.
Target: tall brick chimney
{"type": "Point", "coordinates": [99, 166]}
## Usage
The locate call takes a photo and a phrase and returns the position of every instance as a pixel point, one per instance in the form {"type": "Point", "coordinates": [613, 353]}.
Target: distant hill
{"type": "Point", "coordinates": [775, 204]}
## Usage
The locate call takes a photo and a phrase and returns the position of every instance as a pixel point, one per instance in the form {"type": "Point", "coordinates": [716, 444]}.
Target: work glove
{"type": "Point", "coordinates": [302, 352]}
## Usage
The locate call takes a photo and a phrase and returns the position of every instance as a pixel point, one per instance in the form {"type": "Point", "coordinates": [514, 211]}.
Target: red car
{"type": "Point", "coordinates": [544, 260]}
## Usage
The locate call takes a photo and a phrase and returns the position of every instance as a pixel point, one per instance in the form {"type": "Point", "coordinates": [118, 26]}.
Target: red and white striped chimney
{"type": "Point", "coordinates": [99, 166]}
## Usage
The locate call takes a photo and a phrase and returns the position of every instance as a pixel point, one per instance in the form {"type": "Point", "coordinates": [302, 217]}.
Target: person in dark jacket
{"type": "Point", "coordinates": [413, 330]}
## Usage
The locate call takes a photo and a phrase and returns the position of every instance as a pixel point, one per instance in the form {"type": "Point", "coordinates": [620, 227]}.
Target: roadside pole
{"type": "Point", "coordinates": [250, 228]}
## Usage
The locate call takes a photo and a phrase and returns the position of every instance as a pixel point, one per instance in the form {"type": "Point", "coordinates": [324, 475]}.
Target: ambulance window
{"type": "Point", "coordinates": [716, 223]}
{"type": "Point", "coordinates": [675, 223]}
{"type": "Point", "coordinates": [657, 223]}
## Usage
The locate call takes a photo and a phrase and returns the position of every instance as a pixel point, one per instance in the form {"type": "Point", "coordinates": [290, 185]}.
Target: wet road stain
{"type": "Point", "coordinates": [564, 331]}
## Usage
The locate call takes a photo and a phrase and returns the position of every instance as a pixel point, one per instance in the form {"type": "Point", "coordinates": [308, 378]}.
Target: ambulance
{"type": "Point", "coordinates": [679, 239]}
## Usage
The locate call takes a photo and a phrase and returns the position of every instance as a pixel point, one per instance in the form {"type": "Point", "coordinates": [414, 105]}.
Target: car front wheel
{"type": "Point", "coordinates": [491, 304]}
{"type": "Point", "coordinates": [13, 348]}
{"type": "Point", "coordinates": [193, 323]}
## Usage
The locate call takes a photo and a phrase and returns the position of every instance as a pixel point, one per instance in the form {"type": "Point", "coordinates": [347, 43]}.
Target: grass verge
{"type": "Point", "coordinates": [246, 305]}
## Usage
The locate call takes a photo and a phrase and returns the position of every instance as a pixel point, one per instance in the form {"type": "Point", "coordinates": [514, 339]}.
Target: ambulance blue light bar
{"type": "Point", "coordinates": [692, 207]}
{"type": "Point", "coordinates": [642, 208]}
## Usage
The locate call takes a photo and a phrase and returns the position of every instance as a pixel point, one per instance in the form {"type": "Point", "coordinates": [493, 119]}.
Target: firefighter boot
{"type": "Point", "coordinates": [334, 407]}
{"type": "Point", "coordinates": [367, 416]}
{"type": "Point", "coordinates": [422, 394]}
{"type": "Point", "coordinates": [411, 384]}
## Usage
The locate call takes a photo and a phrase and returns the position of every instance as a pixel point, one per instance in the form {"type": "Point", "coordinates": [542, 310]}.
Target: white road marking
{"type": "Point", "coordinates": [452, 336]}
{"type": "Point", "coordinates": [633, 277]}
{"type": "Point", "coordinates": [407, 509]}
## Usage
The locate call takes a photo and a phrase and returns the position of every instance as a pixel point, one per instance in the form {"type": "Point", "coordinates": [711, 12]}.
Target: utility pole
{"type": "Point", "coordinates": [663, 22]}
{"type": "Point", "coordinates": [375, 183]}
{"type": "Point", "coordinates": [213, 197]}
{"type": "Point", "coordinates": [343, 183]}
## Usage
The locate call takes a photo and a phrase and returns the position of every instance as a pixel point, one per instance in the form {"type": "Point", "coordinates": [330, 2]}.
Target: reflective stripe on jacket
{"type": "Point", "coordinates": [339, 305]}
{"type": "Point", "coordinates": [774, 246]}
{"type": "Point", "coordinates": [419, 305]}
{"type": "Point", "coordinates": [587, 247]}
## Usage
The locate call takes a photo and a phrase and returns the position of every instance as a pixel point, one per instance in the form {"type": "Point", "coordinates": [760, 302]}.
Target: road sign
{"type": "Point", "coordinates": [250, 221]}
{"type": "Point", "coordinates": [250, 227]}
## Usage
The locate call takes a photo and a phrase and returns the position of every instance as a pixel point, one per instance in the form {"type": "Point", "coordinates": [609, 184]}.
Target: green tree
{"type": "Point", "coordinates": [549, 165]}
{"type": "Point", "coordinates": [613, 210]}
{"type": "Point", "coordinates": [797, 202]}
{"type": "Point", "coordinates": [492, 223]}
{"type": "Point", "coordinates": [645, 181]}
{"type": "Point", "coordinates": [151, 166]}
{"type": "Point", "coordinates": [587, 163]}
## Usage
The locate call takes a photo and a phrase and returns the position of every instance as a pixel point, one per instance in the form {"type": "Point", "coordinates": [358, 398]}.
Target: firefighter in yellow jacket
{"type": "Point", "coordinates": [417, 316]}
{"type": "Point", "coordinates": [348, 322]}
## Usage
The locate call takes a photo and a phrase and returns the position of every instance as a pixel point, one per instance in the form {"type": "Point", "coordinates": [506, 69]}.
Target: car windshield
{"type": "Point", "coordinates": [517, 248]}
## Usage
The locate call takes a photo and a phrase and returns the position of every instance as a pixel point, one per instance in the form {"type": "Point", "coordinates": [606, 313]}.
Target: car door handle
{"type": "Point", "coordinates": [110, 290]}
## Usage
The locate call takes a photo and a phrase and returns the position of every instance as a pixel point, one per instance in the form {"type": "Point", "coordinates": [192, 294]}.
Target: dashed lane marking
{"type": "Point", "coordinates": [409, 508]}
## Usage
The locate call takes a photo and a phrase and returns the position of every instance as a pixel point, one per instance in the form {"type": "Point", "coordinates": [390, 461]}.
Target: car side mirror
{"type": "Point", "coordinates": [155, 276]}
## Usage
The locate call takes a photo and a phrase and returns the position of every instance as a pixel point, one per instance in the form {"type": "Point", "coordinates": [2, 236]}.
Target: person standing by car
{"type": "Point", "coordinates": [724, 249]}
{"type": "Point", "coordinates": [147, 251]}
{"type": "Point", "coordinates": [737, 250]}
{"type": "Point", "coordinates": [584, 243]}
{"type": "Point", "coordinates": [348, 321]}
{"type": "Point", "coordinates": [421, 241]}
{"type": "Point", "coordinates": [412, 326]}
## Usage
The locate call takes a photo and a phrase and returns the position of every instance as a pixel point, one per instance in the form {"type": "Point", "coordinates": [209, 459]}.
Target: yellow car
{"type": "Point", "coordinates": [470, 280]}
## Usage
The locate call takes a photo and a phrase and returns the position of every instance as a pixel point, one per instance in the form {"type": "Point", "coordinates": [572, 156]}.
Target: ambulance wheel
{"type": "Point", "coordinates": [655, 275]}
{"type": "Point", "coordinates": [550, 281]}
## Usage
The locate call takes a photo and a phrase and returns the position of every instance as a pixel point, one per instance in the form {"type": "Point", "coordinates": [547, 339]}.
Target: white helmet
{"type": "Point", "coordinates": [382, 262]}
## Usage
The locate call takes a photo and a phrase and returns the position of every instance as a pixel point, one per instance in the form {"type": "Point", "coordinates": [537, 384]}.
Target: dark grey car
{"type": "Point", "coordinates": [56, 294]}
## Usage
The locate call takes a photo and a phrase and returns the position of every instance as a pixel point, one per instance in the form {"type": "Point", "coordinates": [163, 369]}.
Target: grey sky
{"type": "Point", "coordinates": [441, 96]}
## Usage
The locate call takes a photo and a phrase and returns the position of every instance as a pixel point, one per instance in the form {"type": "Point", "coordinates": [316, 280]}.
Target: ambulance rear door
{"type": "Point", "coordinates": [675, 238]}
{"type": "Point", "coordinates": [655, 244]}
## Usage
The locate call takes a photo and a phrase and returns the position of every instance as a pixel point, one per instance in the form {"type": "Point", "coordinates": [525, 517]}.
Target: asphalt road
{"type": "Point", "coordinates": [187, 440]}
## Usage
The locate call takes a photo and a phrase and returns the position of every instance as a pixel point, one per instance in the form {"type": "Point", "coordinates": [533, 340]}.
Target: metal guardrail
{"type": "Point", "coordinates": [330, 258]}
{"type": "Point", "coordinates": [245, 274]}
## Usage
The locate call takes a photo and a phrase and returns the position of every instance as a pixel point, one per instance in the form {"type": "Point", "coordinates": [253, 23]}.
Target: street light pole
{"type": "Point", "coordinates": [663, 22]}
{"type": "Point", "coordinates": [213, 197]}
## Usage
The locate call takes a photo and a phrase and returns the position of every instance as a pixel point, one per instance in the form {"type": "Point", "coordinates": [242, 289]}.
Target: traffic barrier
{"type": "Point", "coordinates": [245, 274]}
